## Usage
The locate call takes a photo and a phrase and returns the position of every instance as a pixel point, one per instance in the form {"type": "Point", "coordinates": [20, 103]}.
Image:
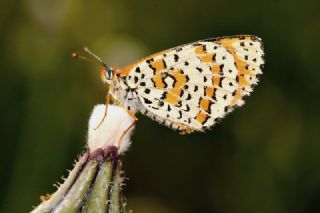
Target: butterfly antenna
{"type": "Point", "coordinates": [95, 58]}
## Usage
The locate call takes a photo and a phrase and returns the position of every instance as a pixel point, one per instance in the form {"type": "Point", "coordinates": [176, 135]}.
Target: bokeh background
{"type": "Point", "coordinates": [264, 157]}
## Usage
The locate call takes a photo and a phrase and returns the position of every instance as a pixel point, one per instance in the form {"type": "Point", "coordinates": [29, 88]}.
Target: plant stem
{"type": "Point", "coordinates": [94, 185]}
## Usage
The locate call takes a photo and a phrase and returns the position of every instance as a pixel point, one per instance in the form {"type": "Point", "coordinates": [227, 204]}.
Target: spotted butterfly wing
{"type": "Point", "coordinates": [190, 87]}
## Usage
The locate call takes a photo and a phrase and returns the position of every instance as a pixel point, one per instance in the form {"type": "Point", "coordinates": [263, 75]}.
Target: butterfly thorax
{"type": "Point", "coordinates": [125, 95]}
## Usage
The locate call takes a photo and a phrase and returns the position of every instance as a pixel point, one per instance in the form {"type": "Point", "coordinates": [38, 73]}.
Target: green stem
{"type": "Point", "coordinates": [94, 185]}
{"type": "Point", "coordinates": [116, 202]}
{"type": "Point", "coordinates": [98, 200]}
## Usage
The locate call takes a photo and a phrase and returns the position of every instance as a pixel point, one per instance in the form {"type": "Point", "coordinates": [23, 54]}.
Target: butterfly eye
{"type": "Point", "coordinates": [108, 73]}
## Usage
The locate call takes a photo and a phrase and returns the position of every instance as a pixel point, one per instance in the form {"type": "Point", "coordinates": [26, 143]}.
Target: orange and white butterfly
{"type": "Point", "coordinates": [189, 87]}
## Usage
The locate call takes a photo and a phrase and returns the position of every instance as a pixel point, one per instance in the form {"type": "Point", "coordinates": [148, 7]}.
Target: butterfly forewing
{"type": "Point", "coordinates": [191, 86]}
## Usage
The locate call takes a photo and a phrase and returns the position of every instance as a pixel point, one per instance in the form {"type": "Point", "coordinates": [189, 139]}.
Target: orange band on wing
{"type": "Point", "coordinates": [207, 58]}
{"type": "Point", "coordinates": [201, 117]}
{"type": "Point", "coordinates": [158, 65]}
{"type": "Point", "coordinates": [173, 95]}
{"type": "Point", "coordinates": [241, 65]}
{"type": "Point", "coordinates": [199, 50]}
{"type": "Point", "coordinates": [209, 92]}
{"type": "Point", "coordinates": [215, 69]}
{"type": "Point", "coordinates": [179, 77]}
{"type": "Point", "coordinates": [172, 98]}
{"type": "Point", "coordinates": [158, 81]}
{"type": "Point", "coordinates": [204, 104]}
{"type": "Point", "coordinates": [215, 81]}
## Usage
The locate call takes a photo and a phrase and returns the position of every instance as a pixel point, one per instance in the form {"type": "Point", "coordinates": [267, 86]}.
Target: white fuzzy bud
{"type": "Point", "coordinates": [111, 129]}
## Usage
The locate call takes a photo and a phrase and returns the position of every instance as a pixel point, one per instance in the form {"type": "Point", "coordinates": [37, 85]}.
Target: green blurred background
{"type": "Point", "coordinates": [264, 157]}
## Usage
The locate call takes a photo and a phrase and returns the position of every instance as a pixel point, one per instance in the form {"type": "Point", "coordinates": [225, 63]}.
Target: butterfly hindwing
{"type": "Point", "coordinates": [193, 85]}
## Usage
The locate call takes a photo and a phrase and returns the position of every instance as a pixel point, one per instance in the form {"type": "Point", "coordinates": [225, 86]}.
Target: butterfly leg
{"type": "Point", "coordinates": [105, 112]}
{"type": "Point", "coordinates": [127, 129]}
{"type": "Point", "coordinates": [135, 119]}
{"type": "Point", "coordinates": [132, 115]}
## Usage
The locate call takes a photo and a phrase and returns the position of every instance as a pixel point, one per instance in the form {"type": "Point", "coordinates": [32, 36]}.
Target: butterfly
{"type": "Point", "coordinates": [190, 87]}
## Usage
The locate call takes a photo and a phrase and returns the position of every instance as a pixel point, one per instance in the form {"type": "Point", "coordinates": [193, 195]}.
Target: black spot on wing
{"type": "Point", "coordinates": [147, 91]}
{"type": "Point", "coordinates": [137, 70]}
{"type": "Point", "coordinates": [189, 97]}
{"type": "Point", "coordinates": [149, 60]}
{"type": "Point", "coordinates": [225, 97]}
{"type": "Point", "coordinates": [226, 109]}
{"type": "Point", "coordinates": [153, 69]}
{"type": "Point", "coordinates": [205, 121]}
{"type": "Point", "coordinates": [179, 104]}
{"type": "Point", "coordinates": [220, 82]}
{"type": "Point", "coordinates": [136, 79]}
{"type": "Point", "coordinates": [176, 57]}
{"type": "Point", "coordinates": [221, 68]}
{"type": "Point", "coordinates": [143, 84]}
{"type": "Point", "coordinates": [209, 107]}
{"type": "Point", "coordinates": [181, 93]}
{"type": "Point", "coordinates": [187, 109]}
{"type": "Point", "coordinates": [160, 103]}
{"type": "Point", "coordinates": [164, 63]}
{"type": "Point", "coordinates": [199, 69]}
{"type": "Point", "coordinates": [147, 101]}
{"type": "Point", "coordinates": [204, 48]}
{"type": "Point", "coordinates": [164, 95]}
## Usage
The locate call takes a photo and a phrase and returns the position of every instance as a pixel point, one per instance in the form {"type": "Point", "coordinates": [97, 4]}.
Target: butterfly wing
{"type": "Point", "coordinates": [191, 86]}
